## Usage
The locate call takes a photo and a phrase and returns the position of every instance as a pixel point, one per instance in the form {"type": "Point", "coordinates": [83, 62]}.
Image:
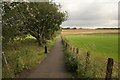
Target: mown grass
{"type": "Point", "coordinates": [108, 44]}
{"type": "Point", "coordinates": [105, 45]}
{"type": "Point", "coordinates": [23, 54]}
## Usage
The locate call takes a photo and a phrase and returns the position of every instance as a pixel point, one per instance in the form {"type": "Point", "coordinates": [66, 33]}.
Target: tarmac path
{"type": "Point", "coordinates": [53, 66]}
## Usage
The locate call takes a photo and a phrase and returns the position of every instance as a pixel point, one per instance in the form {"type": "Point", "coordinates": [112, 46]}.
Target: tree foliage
{"type": "Point", "coordinates": [41, 20]}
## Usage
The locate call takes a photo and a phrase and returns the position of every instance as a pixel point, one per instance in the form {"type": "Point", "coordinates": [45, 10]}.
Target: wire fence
{"type": "Point", "coordinates": [90, 66]}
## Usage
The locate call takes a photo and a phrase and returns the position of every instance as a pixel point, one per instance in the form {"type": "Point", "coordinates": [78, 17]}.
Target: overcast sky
{"type": "Point", "coordinates": [90, 13]}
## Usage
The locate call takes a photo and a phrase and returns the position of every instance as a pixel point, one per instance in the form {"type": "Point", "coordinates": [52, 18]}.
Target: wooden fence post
{"type": "Point", "coordinates": [4, 58]}
{"type": "Point", "coordinates": [63, 42]}
{"type": "Point", "coordinates": [6, 62]}
{"type": "Point", "coordinates": [73, 49]}
{"type": "Point", "coordinates": [87, 62]}
{"type": "Point", "coordinates": [66, 45]}
{"type": "Point", "coordinates": [70, 47]}
{"type": "Point", "coordinates": [77, 50]}
{"type": "Point", "coordinates": [109, 69]}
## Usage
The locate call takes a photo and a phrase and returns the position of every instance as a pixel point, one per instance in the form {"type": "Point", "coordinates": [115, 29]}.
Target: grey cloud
{"type": "Point", "coordinates": [89, 23]}
{"type": "Point", "coordinates": [94, 13]}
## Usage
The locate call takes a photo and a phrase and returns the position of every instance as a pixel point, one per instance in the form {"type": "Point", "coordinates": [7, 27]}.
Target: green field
{"type": "Point", "coordinates": [100, 46]}
{"type": "Point", "coordinates": [105, 45]}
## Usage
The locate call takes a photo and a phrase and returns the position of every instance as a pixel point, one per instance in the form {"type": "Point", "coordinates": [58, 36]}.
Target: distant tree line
{"type": "Point", "coordinates": [108, 28]}
{"type": "Point", "coordinates": [71, 28]}
{"type": "Point", "coordinates": [39, 19]}
{"type": "Point", "coordinates": [96, 28]}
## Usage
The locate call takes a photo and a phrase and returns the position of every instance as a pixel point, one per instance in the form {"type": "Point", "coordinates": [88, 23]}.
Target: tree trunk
{"type": "Point", "coordinates": [40, 41]}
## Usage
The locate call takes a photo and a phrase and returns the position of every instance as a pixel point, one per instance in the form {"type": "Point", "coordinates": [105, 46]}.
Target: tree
{"type": "Point", "coordinates": [47, 19]}
{"type": "Point", "coordinates": [11, 22]}
{"type": "Point", "coordinates": [41, 20]}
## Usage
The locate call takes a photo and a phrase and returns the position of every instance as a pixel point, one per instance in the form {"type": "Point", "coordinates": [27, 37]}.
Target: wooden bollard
{"type": "Point", "coordinates": [45, 49]}
{"type": "Point", "coordinates": [109, 69]}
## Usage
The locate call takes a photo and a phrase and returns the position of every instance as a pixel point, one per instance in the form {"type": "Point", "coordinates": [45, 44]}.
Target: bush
{"type": "Point", "coordinates": [70, 61]}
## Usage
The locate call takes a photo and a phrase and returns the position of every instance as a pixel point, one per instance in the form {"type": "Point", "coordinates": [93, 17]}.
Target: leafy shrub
{"type": "Point", "coordinates": [70, 61]}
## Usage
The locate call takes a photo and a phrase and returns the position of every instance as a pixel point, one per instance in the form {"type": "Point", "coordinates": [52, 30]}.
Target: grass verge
{"type": "Point", "coordinates": [22, 55]}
